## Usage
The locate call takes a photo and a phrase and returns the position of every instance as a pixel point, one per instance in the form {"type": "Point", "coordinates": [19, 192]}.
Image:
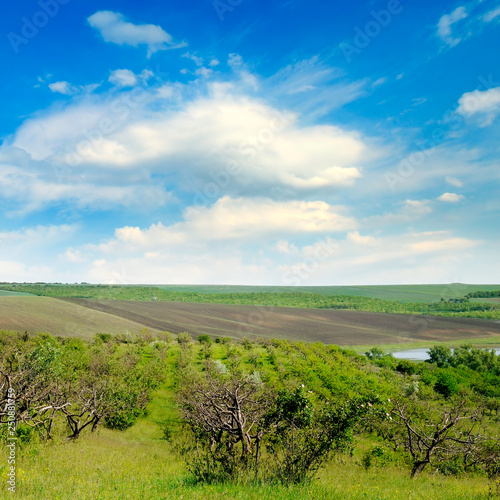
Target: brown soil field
{"type": "Point", "coordinates": [339, 327]}
{"type": "Point", "coordinates": [43, 314]}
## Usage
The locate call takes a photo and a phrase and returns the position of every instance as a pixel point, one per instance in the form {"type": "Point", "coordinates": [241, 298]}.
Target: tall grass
{"type": "Point", "coordinates": [113, 465]}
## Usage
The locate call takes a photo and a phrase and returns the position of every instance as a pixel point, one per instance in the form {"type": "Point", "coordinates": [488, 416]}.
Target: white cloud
{"type": "Point", "coordinates": [429, 257]}
{"type": "Point", "coordinates": [123, 78]}
{"type": "Point", "coordinates": [115, 29]}
{"type": "Point", "coordinates": [233, 220]}
{"type": "Point", "coordinates": [63, 88]}
{"type": "Point", "coordinates": [67, 88]}
{"type": "Point", "coordinates": [485, 103]}
{"type": "Point", "coordinates": [315, 88]}
{"type": "Point", "coordinates": [361, 259]}
{"type": "Point", "coordinates": [411, 210]}
{"type": "Point", "coordinates": [264, 149]}
{"type": "Point", "coordinates": [491, 15]}
{"type": "Point", "coordinates": [444, 28]}
{"type": "Point", "coordinates": [29, 189]}
{"type": "Point", "coordinates": [451, 197]}
{"type": "Point", "coordinates": [454, 181]}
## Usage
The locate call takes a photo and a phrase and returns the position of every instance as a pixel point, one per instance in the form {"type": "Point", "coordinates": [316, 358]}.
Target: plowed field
{"type": "Point", "coordinates": [339, 327]}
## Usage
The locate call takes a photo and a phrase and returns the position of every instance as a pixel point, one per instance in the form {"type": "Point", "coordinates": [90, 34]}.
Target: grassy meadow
{"type": "Point", "coordinates": [142, 463]}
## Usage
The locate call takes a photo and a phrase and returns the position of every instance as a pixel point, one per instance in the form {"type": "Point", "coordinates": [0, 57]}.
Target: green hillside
{"type": "Point", "coordinates": [143, 446]}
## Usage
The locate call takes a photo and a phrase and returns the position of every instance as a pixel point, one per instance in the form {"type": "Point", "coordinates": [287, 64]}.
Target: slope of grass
{"type": "Point", "coordinates": [401, 293]}
{"type": "Point", "coordinates": [110, 465]}
{"type": "Point", "coordinates": [59, 317]}
{"type": "Point", "coordinates": [8, 293]}
{"type": "Point", "coordinates": [138, 464]}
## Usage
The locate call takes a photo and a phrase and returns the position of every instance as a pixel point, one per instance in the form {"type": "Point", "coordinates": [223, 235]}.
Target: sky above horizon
{"type": "Point", "coordinates": [257, 143]}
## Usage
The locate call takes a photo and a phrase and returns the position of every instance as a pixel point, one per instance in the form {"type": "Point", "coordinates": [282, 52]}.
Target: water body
{"type": "Point", "coordinates": [423, 354]}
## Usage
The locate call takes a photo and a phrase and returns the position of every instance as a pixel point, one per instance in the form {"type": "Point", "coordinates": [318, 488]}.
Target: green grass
{"type": "Point", "coordinates": [59, 317]}
{"type": "Point", "coordinates": [401, 293]}
{"type": "Point", "coordinates": [138, 464]}
{"type": "Point", "coordinates": [8, 293]}
{"type": "Point", "coordinates": [109, 465]}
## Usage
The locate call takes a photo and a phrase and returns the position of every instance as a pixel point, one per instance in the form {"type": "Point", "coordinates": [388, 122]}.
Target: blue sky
{"type": "Point", "coordinates": [244, 142]}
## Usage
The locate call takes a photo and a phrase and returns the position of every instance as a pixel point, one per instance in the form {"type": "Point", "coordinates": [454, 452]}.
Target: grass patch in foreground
{"type": "Point", "coordinates": [110, 465]}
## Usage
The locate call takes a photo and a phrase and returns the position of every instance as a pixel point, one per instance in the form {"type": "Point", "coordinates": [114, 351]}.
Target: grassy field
{"type": "Point", "coordinates": [139, 464]}
{"type": "Point", "coordinates": [228, 293]}
{"type": "Point", "coordinates": [8, 293]}
{"type": "Point", "coordinates": [401, 293]}
{"type": "Point", "coordinates": [136, 466]}
{"type": "Point", "coordinates": [58, 317]}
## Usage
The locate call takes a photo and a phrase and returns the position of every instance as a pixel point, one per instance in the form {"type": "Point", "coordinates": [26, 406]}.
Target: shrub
{"type": "Point", "coordinates": [184, 339]}
{"type": "Point", "coordinates": [446, 385]}
{"type": "Point", "coordinates": [205, 339]}
{"type": "Point", "coordinates": [378, 456]}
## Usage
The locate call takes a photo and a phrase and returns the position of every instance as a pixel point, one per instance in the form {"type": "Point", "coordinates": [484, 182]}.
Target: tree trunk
{"type": "Point", "coordinates": [418, 467]}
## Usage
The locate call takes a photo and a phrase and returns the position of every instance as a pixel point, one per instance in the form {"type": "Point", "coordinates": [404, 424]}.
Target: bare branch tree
{"type": "Point", "coordinates": [435, 435]}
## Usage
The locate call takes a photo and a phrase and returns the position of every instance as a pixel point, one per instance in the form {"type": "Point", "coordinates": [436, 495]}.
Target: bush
{"type": "Point", "coordinates": [406, 367]}
{"type": "Point", "coordinates": [446, 385]}
{"type": "Point", "coordinates": [165, 337]}
{"type": "Point", "coordinates": [376, 457]}
{"type": "Point", "coordinates": [168, 433]}
{"type": "Point", "coordinates": [184, 339]}
{"type": "Point", "coordinates": [205, 339]}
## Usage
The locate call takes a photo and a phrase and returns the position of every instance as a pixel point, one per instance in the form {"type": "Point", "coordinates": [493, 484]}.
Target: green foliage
{"type": "Point", "coordinates": [446, 385]}
{"type": "Point", "coordinates": [440, 355]}
{"type": "Point", "coordinates": [375, 353]}
{"type": "Point", "coordinates": [378, 456]}
{"type": "Point", "coordinates": [103, 338]}
{"type": "Point", "coordinates": [305, 434]}
{"type": "Point", "coordinates": [184, 339]}
{"type": "Point", "coordinates": [484, 294]}
{"type": "Point", "coordinates": [165, 336]}
{"type": "Point", "coordinates": [407, 367]}
{"type": "Point", "coordinates": [204, 339]}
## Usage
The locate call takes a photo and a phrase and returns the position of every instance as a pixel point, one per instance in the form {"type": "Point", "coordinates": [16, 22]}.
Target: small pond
{"type": "Point", "coordinates": [422, 354]}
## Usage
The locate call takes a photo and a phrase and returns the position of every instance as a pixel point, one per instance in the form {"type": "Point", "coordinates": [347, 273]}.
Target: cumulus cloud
{"type": "Point", "coordinates": [355, 259]}
{"type": "Point", "coordinates": [31, 188]}
{"type": "Point", "coordinates": [115, 29]}
{"type": "Point", "coordinates": [233, 220]}
{"type": "Point", "coordinates": [241, 143]}
{"type": "Point", "coordinates": [127, 78]}
{"type": "Point", "coordinates": [361, 259]}
{"type": "Point", "coordinates": [123, 78]}
{"type": "Point", "coordinates": [63, 88]}
{"type": "Point", "coordinates": [67, 88]}
{"type": "Point", "coordinates": [451, 197]}
{"type": "Point", "coordinates": [445, 25]}
{"type": "Point", "coordinates": [484, 103]}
